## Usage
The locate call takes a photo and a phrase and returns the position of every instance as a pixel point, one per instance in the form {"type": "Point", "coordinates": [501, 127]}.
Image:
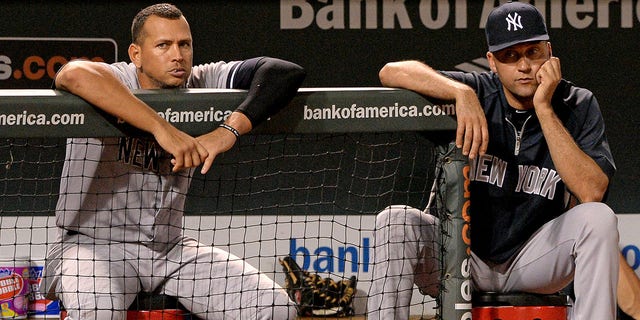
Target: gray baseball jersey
{"type": "Point", "coordinates": [122, 189]}
{"type": "Point", "coordinates": [120, 216]}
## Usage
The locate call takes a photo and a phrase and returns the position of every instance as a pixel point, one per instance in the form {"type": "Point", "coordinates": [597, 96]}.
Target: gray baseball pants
{"type": "Point", "coordinates": [580, 246]}
{"type": "Point", "coordinates": [98, 279]}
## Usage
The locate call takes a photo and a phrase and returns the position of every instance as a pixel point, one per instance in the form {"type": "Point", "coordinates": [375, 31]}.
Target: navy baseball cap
{"type": "Point", "coordinates": [513, 23]}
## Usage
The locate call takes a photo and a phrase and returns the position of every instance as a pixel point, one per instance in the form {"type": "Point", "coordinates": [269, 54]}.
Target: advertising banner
{"type": "Point", "coordinates": [345, 43]}
{"type": "Point", "coordinates": [33, 62]}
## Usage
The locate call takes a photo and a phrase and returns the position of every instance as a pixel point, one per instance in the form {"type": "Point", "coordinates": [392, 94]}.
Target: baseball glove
{"type": "Point", "coordinates": [317, 296]}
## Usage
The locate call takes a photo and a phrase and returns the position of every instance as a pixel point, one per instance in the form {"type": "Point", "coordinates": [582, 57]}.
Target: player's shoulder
{"type": "Point", "coordinates": [124, 67]}
{"type": "Point", "coordinates": [212, 74]}
{"type": "Point", "coordinates": [485, 79]}
{"type": "Point", "coordinates": [574, 103]}
{"type": "Point", "coordinates": [571, 87]}
{"type": "Point", "coordinates": [572, 94]}
{"type": "Point", "coordinates": [126, 73]}
{"type": "Point", "coordinates": [215, 65]}
{"type": "Point", "coordinates": [486, 84]}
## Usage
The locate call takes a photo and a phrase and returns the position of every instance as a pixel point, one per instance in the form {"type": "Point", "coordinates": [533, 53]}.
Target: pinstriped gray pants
{"type": "Point", "coordinates": [99, 279]}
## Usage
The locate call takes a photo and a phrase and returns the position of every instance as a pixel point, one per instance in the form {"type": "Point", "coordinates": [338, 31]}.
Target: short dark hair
{"type": "Point", "coordinates": [162, 10]}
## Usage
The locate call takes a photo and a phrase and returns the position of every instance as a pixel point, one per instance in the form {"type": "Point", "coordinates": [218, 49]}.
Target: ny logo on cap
{"type": "Point", "coordinates": [514, 21]}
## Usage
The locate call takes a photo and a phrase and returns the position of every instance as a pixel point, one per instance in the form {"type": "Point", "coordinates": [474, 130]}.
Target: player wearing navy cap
{"type": "Point", "coordinates": [120, 219]}
{"type": "Point", "coordinates": [540, 167]}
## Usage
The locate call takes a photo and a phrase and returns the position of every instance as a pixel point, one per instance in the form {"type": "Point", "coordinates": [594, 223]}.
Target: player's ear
{"type": "Point", "coordinates": [134, 54]}
{"type": "Point", "coordinates": [492, 62]}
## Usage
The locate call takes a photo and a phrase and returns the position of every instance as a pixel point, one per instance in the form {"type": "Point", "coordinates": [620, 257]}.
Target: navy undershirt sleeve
{"type": "Point", "coordinates": [271, 84]}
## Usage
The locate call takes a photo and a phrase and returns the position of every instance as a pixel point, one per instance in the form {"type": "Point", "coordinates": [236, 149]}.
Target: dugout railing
{"type": "Point", "coordinates": [49, 114]}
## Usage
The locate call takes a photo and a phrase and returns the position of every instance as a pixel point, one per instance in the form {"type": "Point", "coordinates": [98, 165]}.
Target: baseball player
{"type": "Point", "coordinates": [537, 146]}
{"type": "Point", "coordinates": [120, 214]}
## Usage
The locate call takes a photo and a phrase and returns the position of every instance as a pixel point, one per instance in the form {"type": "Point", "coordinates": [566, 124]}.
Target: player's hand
{"type": "Point", "coordinates": [548, 77]}
{"type": "Point", "coordinates": [187, 151]}
{"type": "Point", "coordinates": [215, 142]}
{"type": "Point", "coordinates": [472, 134]}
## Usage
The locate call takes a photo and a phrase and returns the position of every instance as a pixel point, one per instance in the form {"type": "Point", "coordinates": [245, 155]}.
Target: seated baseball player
{"type": "Point", "coordinates": [119, 219]}
{"type": "Point", "coordinates": [537, 145]}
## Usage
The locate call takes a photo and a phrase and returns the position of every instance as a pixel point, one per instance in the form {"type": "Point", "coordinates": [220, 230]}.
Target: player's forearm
{"type": "Point", "coordinates": [421, 78]}
{"type": "Point", "coordinates": [580, 173]}
{"type": "Point", "coordinates": [240, 122]}
{"type": "Point", "coordinates": [98, 86]}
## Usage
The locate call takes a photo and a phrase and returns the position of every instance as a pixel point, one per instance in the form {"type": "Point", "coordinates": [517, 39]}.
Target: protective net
{"type": "Point", "coordinates": [313, 197]}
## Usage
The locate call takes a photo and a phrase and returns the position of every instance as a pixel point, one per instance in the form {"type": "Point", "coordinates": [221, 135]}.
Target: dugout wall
{"type": "Point", "coordinates": [345, 43]}
{"type": "Point", "coordinates": [307, 183]}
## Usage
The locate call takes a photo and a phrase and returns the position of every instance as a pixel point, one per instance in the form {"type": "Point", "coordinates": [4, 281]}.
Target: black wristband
{"type": "Point", "coordinates": [230, 128]}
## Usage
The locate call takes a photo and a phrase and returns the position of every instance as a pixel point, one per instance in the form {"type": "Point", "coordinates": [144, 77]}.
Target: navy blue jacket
{"type": "Point", "coordinates": [515, 188]}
